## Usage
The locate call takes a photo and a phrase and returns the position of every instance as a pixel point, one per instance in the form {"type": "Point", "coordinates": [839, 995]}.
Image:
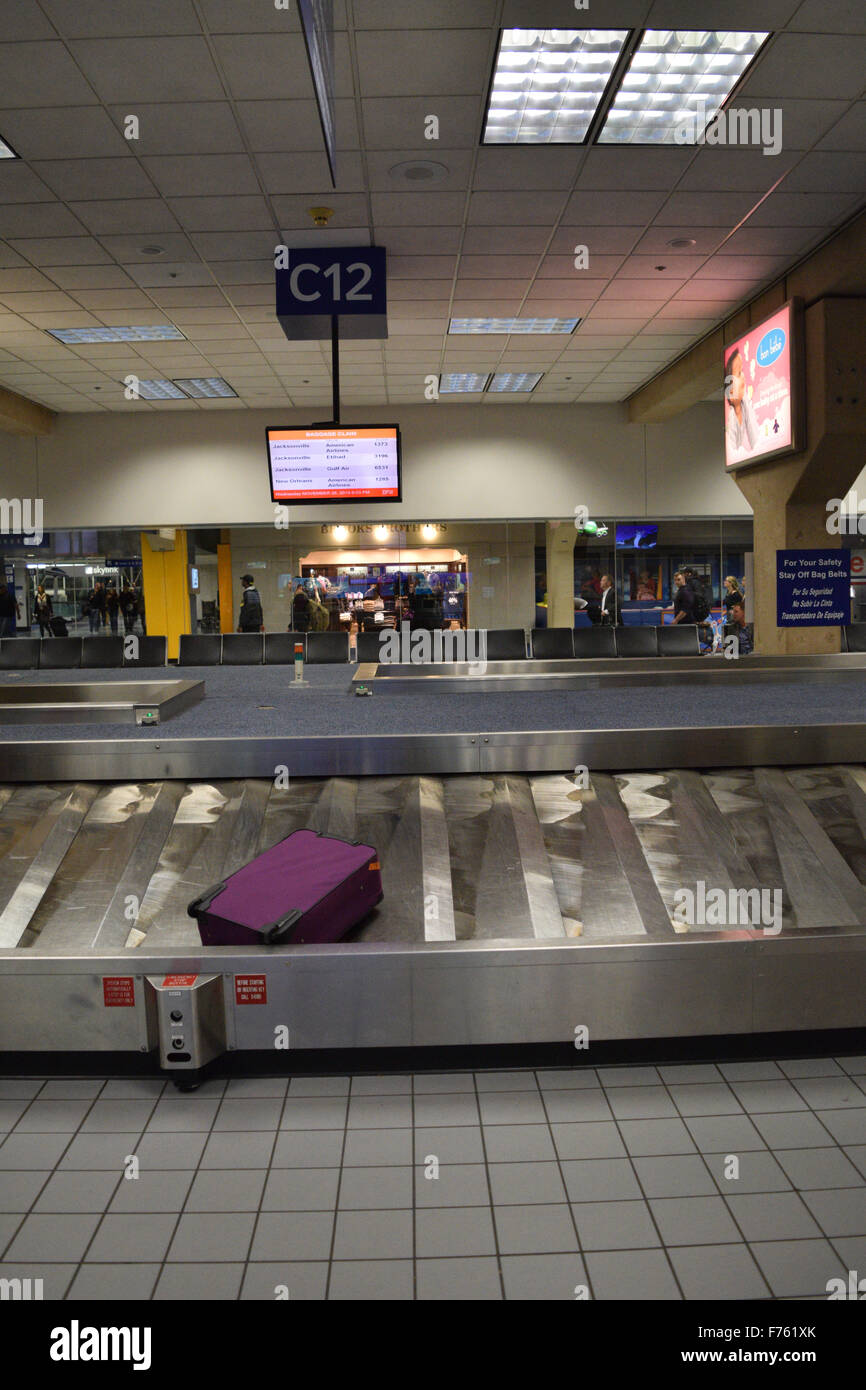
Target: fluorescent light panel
{"type": "Point", "coordinates": [158, 389]}
{"type": "Point", "coordinates": [145, 334]}
{"type": "Point", "coordinates": [677, 79]}
{"type": "Point", "coordinates": [513, 325]}
{"type": "Point", "coordinates": [451, 382]}
{"type": "Point", "coordinates": [204, 386]}
{"type": "Point", "coordinates": [547, 84]}
{"type": "Point", "coordinates": [6, 151]}
{"type": "Point", "coordinates": [515, 381]}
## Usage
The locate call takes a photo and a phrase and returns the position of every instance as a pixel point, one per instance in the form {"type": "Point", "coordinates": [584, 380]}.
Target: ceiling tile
{"type": "Point", "coordinates": [418, 209]}
{"type": "Point", "coordinates": [37, 220]}
{"type": "Point", "coordinates": [178, 176]}
{"type": "Point", "coordinates": [804, 210]}
{"type": "Point", "coordinates": [130, 70]}
{"type": "Point", "coordinates": [20, 184]}
{"type": "Point", "coordinates": [541, 167]}
{"type": "Point", "coordinates": [178, 128]}
{"type": "Point", "coordinates": [259, 67]}
{"type": "Point", "coordinates": [518, 209]}
{"type": "Point", "coordinates": [266, 123]}
{"type": "Point", "coordinates": [70, 250]}
{"type": "Point", "coordinates": [408, 241]}
{"type": "Point", "coordinates": [615, 168]}
{"type": "Point", "coordinates": [41, 74]}
{"type": "Point", "coordinates": [380, 163]}
{"type": "Point", "coordinates": [738, 169]}
{"type": "Point", "coordinates": [849, 133]}
{"type": "Point", "coordinates": [455, 61]}
{"type": "Point", "coordinates": [719, 209]}
{"type": "Point", "coordinates": [140, 215]}
{"type": "Point", "coordinates": [617, 209]}
{"type": "Point", "coordinates": [222, 214]}
{"type": "Point", "coordinates": [493, 240]}
{"type": "Point", "coordinates": [291, 173]}
{"type": "Point", "coordinates": [811, 65]}
{"type": "Point", "coordinates": [602, 240]}
{"type": "Point", "coordinates": [128, 248]}
{"type": "Point", "coordinates": [392, 122]}
{"type": "Point", "coordinates": [828, 173]}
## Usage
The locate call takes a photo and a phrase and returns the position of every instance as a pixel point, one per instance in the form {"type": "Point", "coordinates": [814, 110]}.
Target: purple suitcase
{"type": "Point", "coordinates": [308, 888]}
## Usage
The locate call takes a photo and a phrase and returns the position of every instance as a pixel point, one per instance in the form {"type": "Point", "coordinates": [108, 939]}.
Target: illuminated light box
{"type": "Point", "coordinates": [339, 463]}
{"type": "Point", "coordinates": [764, 389]}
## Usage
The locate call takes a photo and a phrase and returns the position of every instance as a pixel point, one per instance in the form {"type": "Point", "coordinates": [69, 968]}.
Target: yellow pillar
{"type": "Point", "coordinates": [165, 579]}
{"type": "Point", "coordinates": [224, 586]}
{"type": "Point", "coordinates": [560, 537]}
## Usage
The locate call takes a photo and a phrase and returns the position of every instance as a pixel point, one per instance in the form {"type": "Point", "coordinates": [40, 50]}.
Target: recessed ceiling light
{"type": "Point", "coordinates": [147, 334]}
{"type": "Point", "coordinates": [419, 171]}
{"type": "Point", "coordinates": [158, 389]}
{"type": "Point", "coordinates": [676, 83]}
{"type": "Point", "coordinates": [450, 382]}
{"type": "Point", "coordinates": [681, 243]}
{"type": "Point", "coordinates": [515, 381]}
{"type": "Point", "coordinates": [204, 386]}
{"type": "Point", "coordinates": [6, 151]}
{"type": "Point", "coordinates": [547, 84]}
{"type": "Point", "coordinates": [513, 325]}
{"type": "Point", "coordinates": [151, 250]}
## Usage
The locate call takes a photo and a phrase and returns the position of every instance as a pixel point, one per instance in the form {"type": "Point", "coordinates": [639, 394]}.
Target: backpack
{"type": "Point", "coordinates": [700, 608]}
{"type": "Point", "coordinates": [252, 617]}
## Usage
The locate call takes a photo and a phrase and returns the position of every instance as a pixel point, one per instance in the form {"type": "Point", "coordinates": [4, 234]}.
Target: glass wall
{"type": "Point", "coordinates": [362, 576]}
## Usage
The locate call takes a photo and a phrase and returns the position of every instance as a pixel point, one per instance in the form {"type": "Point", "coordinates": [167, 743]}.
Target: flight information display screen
{"type": "Point", "coordinates": [340, 463]}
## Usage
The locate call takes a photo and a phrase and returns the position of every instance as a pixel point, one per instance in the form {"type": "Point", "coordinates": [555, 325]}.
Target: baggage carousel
{"type": "Point", "coordinates": [517, 910]}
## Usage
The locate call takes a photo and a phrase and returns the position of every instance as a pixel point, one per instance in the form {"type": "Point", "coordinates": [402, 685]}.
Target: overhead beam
{"type": "Point", "coordinates": [836, 268]}
{"type": "Point", "coordinates": [18, 415]}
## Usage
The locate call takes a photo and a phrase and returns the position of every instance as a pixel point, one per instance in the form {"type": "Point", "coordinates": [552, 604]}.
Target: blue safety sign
{"type": "Point", "coordinates": [813, 588]}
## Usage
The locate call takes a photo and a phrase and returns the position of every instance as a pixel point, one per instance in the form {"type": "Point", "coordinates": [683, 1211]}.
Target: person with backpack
{"type": "Point", "coordinates": [44, 611]}
{"type": "Point", "coordinates": [251, 615]}
{"type": "Point", "coordinates": [700, 606]}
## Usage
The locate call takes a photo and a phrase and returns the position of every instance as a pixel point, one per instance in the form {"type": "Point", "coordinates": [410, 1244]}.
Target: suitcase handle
{"type": "Point", "coordinates": [280, 929]}
{"type": "Point", "coordinates": [202, 903]}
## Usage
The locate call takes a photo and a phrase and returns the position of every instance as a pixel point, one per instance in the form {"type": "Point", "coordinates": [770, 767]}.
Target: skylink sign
{"type": "Point", "coordinates": [315, 286]}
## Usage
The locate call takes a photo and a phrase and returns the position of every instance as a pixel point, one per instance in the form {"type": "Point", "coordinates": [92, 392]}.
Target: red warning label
{"type": "Point", "coordinates": [172, 981]}
{"type": "Point", "coordinates": [118, 991]}
{"type": "Point", "coordinates": [251, 989]}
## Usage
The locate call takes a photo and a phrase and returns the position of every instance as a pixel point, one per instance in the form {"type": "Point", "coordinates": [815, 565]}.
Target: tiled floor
{"type": "Point", "coordinates": [742, 1180]}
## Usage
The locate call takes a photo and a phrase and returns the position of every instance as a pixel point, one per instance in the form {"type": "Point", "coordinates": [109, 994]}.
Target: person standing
{"type": "Point", "coordinates": [684, 601]}
{"type": "Point", "coordinates": [128, 601]}
{"type": "Point", "coordinates": [251, 616]}
{"type": "Point", "coordinates": [112, 606]}
{"type": "Point", "coordinates": [96, 606]}
{"type": "Point", "coordinates": [44, 611]}
{"type": "Point", "coordinates": [608, 600]}
{"type": "Point", "coordinates": [733, 594]}
{"type": "Point", "coordinates": [10, 610]}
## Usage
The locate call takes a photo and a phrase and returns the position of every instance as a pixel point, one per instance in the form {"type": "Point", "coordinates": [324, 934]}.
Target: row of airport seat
{"type": "Point", "coordinates": [72, 653]}
{"type": "Point", "coordinates": [278, 648]}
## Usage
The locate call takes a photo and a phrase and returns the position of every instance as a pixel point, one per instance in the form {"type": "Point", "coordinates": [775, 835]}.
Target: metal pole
{"type": "Point", "coordinates": [335, 368]}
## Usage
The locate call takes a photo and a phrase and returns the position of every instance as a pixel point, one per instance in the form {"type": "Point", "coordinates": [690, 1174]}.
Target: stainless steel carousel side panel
{"type": "Point", "coordinates": [621, 750]}
{"type": "Point", "coordinates": [446, 993]}
{"type": "Point", "coordinates": [151, 760]}
{"type": "Point", "coordinates": [818, 981]}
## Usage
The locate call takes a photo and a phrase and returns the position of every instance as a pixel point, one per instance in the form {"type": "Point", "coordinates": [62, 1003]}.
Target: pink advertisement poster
{"type": "Point", "coordinates": [758, 379]}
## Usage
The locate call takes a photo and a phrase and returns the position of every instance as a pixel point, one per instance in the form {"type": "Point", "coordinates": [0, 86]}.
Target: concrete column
{"type": "Point", "coordinates": [790, 496]}
{"type": "Point", "coordinates": [560, 537]}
